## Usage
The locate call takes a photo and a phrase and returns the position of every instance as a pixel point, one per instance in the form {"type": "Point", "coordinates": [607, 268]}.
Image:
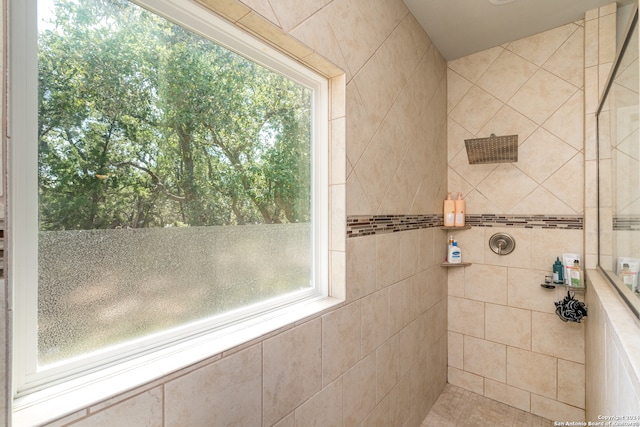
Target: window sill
{"type": "Point", "coordinates": [77, 395]}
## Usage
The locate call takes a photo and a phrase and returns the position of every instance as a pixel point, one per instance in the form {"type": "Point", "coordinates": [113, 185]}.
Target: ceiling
{"type": "Point", "coordinates": [462, 27]}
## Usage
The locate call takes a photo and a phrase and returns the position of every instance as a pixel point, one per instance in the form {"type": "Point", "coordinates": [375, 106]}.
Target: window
{"type": "Point", "coordinates": [168, 180]}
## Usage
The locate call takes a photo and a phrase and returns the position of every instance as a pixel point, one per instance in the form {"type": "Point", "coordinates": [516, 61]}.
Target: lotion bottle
{"type": "Point", "coordinates": [449, 211]}
{"type": "Point", "coordinates": [459, 208]}
{"type": "Point", "coordinates": [454, 256]}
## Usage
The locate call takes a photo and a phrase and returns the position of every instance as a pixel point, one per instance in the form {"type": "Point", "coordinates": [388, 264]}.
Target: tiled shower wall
{"type": "Point", "coordinates": [380, 359]}
{"type": "Point", "coordinates": [505, 341]}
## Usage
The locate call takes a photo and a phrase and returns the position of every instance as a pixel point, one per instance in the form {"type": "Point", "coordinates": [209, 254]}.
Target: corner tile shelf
{"type": "Point", "coordinates": [455, 264]}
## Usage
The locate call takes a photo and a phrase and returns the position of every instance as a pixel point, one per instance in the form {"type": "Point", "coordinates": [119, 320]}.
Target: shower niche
{"type": "Point", "coordinates": [618, 119]}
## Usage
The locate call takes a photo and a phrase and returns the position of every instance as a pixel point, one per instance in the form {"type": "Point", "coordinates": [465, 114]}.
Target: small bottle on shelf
{"type": "Point", "coordinates": [459, 209]}
{"type": "Point", "coordinates": [449, 211]}
{"type": "Point", "coordinates": [575, 275]}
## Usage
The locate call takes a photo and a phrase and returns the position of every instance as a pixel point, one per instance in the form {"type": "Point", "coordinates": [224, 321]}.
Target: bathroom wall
{"type": "Point", "coordinates": [612, 332]}
{"type": "Point", "coordinates": [380, 359]}
{"type": "Point", "coordinates": [505, 341]}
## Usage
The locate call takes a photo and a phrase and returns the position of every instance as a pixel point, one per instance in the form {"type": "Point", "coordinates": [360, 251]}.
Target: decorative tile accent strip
{"type": "Point", "coordinates": [573, 222]}
{"type": "Point", "coordinates": [367, 225]}
{"type": "Point", "coordinates": [630, 223]}
{"type": "Point", "coordinates": [364, 225]}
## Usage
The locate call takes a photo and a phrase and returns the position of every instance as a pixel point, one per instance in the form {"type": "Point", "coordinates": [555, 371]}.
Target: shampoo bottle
{"type": "Point", "coordinates": [449, 211]}
{"type": "Point", "coordinates": [459, 208]}
{"type": "Point", "coordinates": [558, 277]}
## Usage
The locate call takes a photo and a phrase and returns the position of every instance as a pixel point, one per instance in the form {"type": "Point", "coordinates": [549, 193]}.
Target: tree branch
{"type": "Point", "coordinates": [154, 177]}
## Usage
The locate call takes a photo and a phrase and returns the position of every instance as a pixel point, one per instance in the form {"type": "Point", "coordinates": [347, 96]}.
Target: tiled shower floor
{"type": "Point", "coordinates": [457, 407]}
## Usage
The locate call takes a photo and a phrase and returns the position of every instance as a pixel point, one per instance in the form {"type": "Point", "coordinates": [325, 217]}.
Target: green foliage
{"type": "Point", "coordinates": [143, 123]}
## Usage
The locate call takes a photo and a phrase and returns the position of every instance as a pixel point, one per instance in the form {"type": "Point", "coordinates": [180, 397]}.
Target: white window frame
{"type": "Point", "coordinates": [189, 344]}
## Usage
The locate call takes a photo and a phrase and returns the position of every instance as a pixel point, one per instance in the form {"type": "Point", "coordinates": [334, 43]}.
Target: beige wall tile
{"type": "Point", "coordinates": [471, 174]}
{"type": "Point", "coordinates": [541, 95]}
{"type": "Point", "coordinates": [457, 88]}
{"type": "Point", "coordinates": [399, 303]}
{"type": "Point", "coordinates": [472, 243]}
{"type": "Point", "coordinates": [360, 130]}
{"type": "Point", "coordinates": [571, 383]}
{"type": "Point", "coordinates": [361, 267]}
{"type": "Point", "coordinates": [538, 48]}
{"type": "Point", "coordinates": [290, 12]}
{"type": "Point", "coordinates": [455, 344]}
{"type": "Point", "coordinates": [322, 409]}
{"type": "Point", "coordinates": [485, 283]}
{"type": "Point", "coordinates": [466, 380]}
{"type": "Point", "coordinates": [263, 8]}
{"type": "Point", "coordinates": [356, 39]}
{"type": "Point", "coordinates": [400, 401]}
{"type": "Point", "coordinates": [144, 409]}
{"type": "Point", "coordinates": [466, 316]}
{"type": "Point", "coordinates": [432, 289]}
{"type": "Point", "coordinates": [553, 337]}
{"type": "Point", "coordinates": [508, 325]}
{"type": "Point", "coordinates": [485, 358]}
{"type": "Point", "coordinates": [292, 369]}
{"type": "Point", "coordinates": [567, 122]}
{"type": "Point", "coordinates": [549, 244]}
{"type": "Point", "coordinates": [429, 239]}
{"type": "Point", "coordinates": [375, 320]}
{"type": "Point", "coordinates": [228, 391]}
{"type": "Point", "coordinates": [288, 421]}
{"type": "Point", "coordinates": [521, 255]}
{"type": "Point", "coordinates": [567, 61]}
{"type": "Point", "coordinates": [554, 410]}
{"type": "Point", "coordinates": [338, 221]}
{"type": "Point", "coordinates": [571, 172]}
{"type": "Point", "coordinates": [387, 366]}
{"type": "Point", "coordinates": [341, 341]}
{"type": "Point", "coordinates": [508, 121]}
{"type": "Point", "coordinates": [591, 90]}
{"type": "Point", "coordinates": [472, 67]}
{"type": "Point", "coordinates": [410, 344]}
{"type": "Point", "coordinates": [456, 282]}
{"type": "Point", "coordinates": [475, 109]}
{"type": "Point", "coordinates": [400, 250]}
{"type": "Point", "coordinates": [506, 394]}
{"type": "Point", "coordinates": [379, 417]}
{"type": "Point", "coordinates": [544, 154]}
{"type": "Point", "coordinates": [380, 161]}
{"type": "Point", "coordinates": [359, 385]}
{"type": "Point", "coordinates": [493, 186]}
{"type": "Point", "coordinates": [524, 290]}
{"type": "Point", "coordinates": [532, 372]}
{"type": "Point", "coordinates": [606, 38]}
{"type": "Point", "coordinates": [434, 326]}
{"type": "Point", "coordinates": [517, 68]}
{"type": "Point", "coordinates": [338, 151]}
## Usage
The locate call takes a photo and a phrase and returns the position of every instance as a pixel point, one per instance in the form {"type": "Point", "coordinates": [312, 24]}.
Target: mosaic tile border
{"type": "Point", "coordinates": [367, 225]}
{"type": "Point", "coordinates": [626, 223]}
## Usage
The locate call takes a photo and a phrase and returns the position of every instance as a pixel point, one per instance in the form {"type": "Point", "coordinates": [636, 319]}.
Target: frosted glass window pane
{"type": "Point", "coordinates": [174, 178]}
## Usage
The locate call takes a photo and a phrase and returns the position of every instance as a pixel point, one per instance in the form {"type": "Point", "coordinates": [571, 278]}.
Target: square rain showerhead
{"type": "Point", "coordinates": [494, 149]}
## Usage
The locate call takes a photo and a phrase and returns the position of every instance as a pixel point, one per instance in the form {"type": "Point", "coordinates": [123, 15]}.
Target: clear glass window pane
{"type": "Point", "coordinates": [174, 178]}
